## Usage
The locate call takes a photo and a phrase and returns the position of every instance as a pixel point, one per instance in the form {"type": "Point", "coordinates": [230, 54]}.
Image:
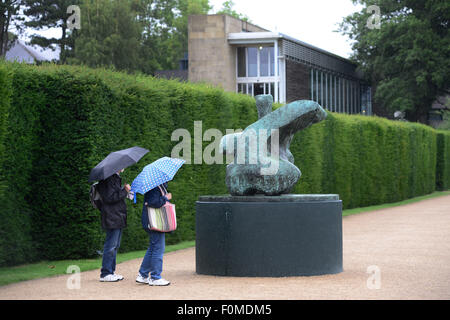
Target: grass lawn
{"type": "Point", "coordinates": [50, 268]}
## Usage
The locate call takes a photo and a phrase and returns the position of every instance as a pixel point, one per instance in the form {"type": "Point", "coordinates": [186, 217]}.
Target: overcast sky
{"type": "Point", "coordinates": [311, 21]}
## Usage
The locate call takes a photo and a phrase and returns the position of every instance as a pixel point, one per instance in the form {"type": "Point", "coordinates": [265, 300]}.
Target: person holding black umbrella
{"type": "Point", "coordinates": [114, 219]}
{"type": "Point", "coordinates": [113, 207]}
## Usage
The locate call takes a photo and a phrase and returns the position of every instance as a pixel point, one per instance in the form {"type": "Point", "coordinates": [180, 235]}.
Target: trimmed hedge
{"type": "Point", "coordinates": [366, 160]}
{"type": "Point", "coordinates": [443, 160]}
{"type": "Point", "coordinates": [60, 121]}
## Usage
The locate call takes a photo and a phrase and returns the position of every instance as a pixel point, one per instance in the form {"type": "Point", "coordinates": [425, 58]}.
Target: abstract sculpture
{"type": "Point", "coordinates": [262, 160]}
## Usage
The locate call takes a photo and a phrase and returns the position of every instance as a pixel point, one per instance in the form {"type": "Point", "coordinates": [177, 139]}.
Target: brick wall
{"type": "Point", "coordinates": [297, 81]}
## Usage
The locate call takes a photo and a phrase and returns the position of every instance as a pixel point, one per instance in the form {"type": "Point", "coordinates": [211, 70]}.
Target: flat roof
{"type": "Point", "coordinates": [249, 37]}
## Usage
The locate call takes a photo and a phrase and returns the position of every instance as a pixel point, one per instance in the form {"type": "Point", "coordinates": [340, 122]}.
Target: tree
{"type": "Point", "coordinates": [166, 31]}
{"type": "Point", "coordinates": [227, 8]}
{"type": "Point", "coordinates": [134, 35]}
{"type": "Point", "coordinates": [110, 35]}
{"type": "Point", "coordinates": [406, 58]}
{"type": "Point", "coordinates": [8, 13]}
{"type": "Point", "coordinates": [51, 14]}
{"type": "Point", "coordinates": [157, 18]}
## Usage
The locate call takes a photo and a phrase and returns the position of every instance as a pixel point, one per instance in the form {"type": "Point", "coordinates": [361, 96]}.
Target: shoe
{"type": "Point", "coordinates": [109, 278]}
{"type": "Point", "coordinates": [119, 276]}
{"type": "Point", "coordinates": [141, 279]}
{"type": "Point", "coordinates": [158, 282]}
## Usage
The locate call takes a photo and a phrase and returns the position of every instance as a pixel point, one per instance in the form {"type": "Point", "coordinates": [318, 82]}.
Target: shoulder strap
{"type": "Point", "coordinates": [163, 192]}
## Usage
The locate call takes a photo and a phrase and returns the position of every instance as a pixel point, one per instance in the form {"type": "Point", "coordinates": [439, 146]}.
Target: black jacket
{"type": "Point", "coordinates": [114, 208]}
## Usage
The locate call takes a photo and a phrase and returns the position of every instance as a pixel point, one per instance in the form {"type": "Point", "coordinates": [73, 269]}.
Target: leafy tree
{"type": "Point", "coordinates": [51, 14]}
{"type": "Point", "coordinates": [8, 13]}
{"type": "Point", "coordinates": [110, 35]}
{"type": "Point", "coordinates": [407, 57]}
{"type": "Point", "coordinates": [157, 18]}
{"type": "Point", "coordinates": [134, 35]}
{"type": "Point", "coordinates": [165, 37]}
{"type": "Point", "coordinates": [227, 8]}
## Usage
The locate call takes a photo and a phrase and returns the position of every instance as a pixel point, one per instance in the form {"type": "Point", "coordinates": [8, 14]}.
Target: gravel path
{"type": "Point", "coordinates": [397, 253]}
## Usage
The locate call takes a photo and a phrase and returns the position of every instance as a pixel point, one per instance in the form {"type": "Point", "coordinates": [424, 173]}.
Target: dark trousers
{"type": "Point", "coordinates": [112, 244]}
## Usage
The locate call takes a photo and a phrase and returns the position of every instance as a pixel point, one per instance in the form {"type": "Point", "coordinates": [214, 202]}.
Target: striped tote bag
{"type": "Point", "coordinates": [162, 219]}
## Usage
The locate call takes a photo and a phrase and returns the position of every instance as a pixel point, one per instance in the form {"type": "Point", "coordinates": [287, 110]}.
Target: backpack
{"type": "Point", "coordinates": [95, 197]}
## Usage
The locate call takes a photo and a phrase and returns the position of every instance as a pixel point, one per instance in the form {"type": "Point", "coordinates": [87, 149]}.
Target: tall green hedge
{"type": "Point", "coordinates": [58, 122]}
{"type": "Point", "coordinates": [366, 160]}
{"type": "Point", "coordinates": [19, 117]}
{"type": "Point", "coordinates": [443, 160]}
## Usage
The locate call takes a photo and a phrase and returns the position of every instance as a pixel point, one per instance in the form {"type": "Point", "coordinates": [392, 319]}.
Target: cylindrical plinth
{"type": "Point", "coordinates": [262, 236]}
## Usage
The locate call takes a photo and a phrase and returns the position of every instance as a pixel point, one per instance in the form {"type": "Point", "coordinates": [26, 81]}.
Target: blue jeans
{"type": "Point", "coordinates": [112, 244]}
{"type": "Point", "coordinates": [153, 259]}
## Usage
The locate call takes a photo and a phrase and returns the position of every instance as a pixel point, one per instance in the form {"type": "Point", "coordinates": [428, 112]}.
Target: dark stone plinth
{"type": "Point", "coordinates": [263, 236]}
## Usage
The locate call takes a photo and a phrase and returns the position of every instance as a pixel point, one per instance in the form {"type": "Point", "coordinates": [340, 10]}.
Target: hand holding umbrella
{"type": "Point", "coordinates": [155, 174]}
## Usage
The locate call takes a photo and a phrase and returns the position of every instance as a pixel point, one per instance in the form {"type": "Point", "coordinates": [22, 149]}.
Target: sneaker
{"type": "Point", "coordinates": [119, 276]}
{"type": "Point", "coordinates": [158, 282]}
{"type": "Point", "coordinates": [109, 278]}
{"type": "Point", "coordinates": [141, 279]}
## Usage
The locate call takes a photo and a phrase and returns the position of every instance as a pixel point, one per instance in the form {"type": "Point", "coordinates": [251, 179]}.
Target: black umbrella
{"type": "Point", "coordinates": [116, 161]}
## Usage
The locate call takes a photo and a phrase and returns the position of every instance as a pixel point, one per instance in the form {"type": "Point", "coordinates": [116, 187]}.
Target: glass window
{"type": "Point", "coordinates": [321, 82]}
{"type": "Point", "coordinates": [241, 61]}
{"type": "Point", "coordinates": [317, 87]}
{"type": "Point", "coordinates": [264, 62]}
{"type": "Point", "coordinates": [259, 88]}
{"type": "Point", "coordinates": [272, 61]}
{"type": "Point", "coordinates": [252, 62]}
{"type": "Point", "coordinates": [250, 89]}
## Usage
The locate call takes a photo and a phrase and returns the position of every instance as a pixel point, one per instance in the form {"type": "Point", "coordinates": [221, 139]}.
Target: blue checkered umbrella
{"type": "Point", "coordinates": [155, 174]}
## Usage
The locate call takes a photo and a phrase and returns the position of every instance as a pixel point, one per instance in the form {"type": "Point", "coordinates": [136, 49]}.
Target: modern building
{"type": "Point", "coordinates": [245, 58]}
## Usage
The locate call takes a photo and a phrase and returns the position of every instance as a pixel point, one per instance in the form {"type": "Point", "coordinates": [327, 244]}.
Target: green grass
{"type": "Point", "coordinates": [44, 269]}
{"type": "Point", "coordinates": [435, 194]}
{"type": "Point", "coordinates": [51, 268]}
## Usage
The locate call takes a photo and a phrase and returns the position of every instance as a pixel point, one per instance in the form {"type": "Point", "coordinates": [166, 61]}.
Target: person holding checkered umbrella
{"type": "Point", "coordinates": [152, 183]}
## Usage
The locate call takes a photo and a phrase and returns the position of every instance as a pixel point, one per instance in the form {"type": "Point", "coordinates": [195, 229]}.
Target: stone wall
{"type": "Point", "coordinates": [211, 58]}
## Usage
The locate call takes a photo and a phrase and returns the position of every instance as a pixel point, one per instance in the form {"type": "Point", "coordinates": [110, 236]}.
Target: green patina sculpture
{"type": "Point", "coordinates": [262, 162]}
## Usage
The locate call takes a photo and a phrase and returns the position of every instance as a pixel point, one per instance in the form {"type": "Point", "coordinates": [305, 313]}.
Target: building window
{"type": "Point", "coordinates": [338, 94]}
{"type": "Point", "coordinates": [252, 59]}
{"type": "Point", "coordinates": [241, 62]}
{"type": "Point", "coordinates": [256, 71]}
